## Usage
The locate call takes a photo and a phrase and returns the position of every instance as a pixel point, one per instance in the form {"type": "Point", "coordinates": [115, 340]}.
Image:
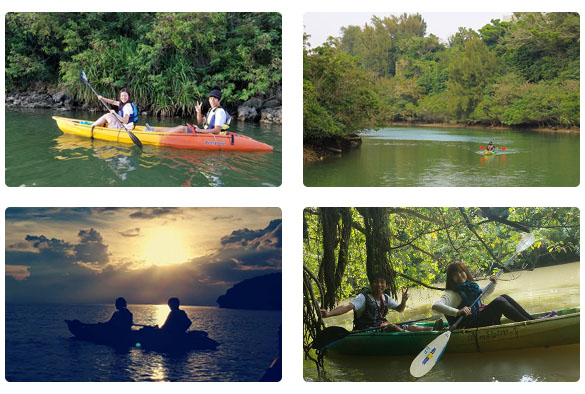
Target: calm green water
{"type": "Point", "coordinates": [39, 154]}
{"type": "Point", "coordinates": [402, 156]}
{"type": "Point", "coordinates": [539, 290]}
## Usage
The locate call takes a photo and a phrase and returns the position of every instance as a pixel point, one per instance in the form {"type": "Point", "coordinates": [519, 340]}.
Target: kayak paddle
{"type": "Point", "coordinates": [132, 136]}
{"type": "Point", "coordinates": [483, 148]}
{"type": "Point", "coordinates": [335, 333]}
{"type": "Point", "coordinates": [432, 353]}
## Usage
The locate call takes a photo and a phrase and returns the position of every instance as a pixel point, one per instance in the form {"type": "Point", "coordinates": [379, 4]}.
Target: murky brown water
{"type": "Point", "coordinates": [539, 290]}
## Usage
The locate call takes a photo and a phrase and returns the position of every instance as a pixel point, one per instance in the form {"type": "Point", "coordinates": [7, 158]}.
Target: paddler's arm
{"type": "Point", "coordinates": [340, 310]}
{"type": "Point", "coordinates": [215, 130]}
{"type": "Point", "coordinates": [444, 304]}
{"type": "Point", "coordinates": [400, 308]}
{"type": "Point", "coordinates": [123, 119]}
{"type": "Point", "coordinates": [109, 101]}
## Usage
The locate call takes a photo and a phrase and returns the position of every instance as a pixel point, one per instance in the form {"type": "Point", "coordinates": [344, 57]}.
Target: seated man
{"type": "Point", "coordinates": [121, 320]}
{"type": "Point", "coordinates": [177, 321]}
{"type": "Point", "coordinates": [216, 121]}
{"type": "Point", "coordinates": [370, 308]}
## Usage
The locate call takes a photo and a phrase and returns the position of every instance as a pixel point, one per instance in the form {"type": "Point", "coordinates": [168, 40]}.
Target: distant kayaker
{"type": "Point", "coordinates": [490, 147]}
{"type": "Point", "coordinates": [127, 112]}
{"type": "Point", "coordinates": [177, 321]}
{"type": "Point", "coordinates": [462, 290]}
{"type": "Point", "coordinates": [216, 121]}
{"type": "Point", "coordinates": [121, 320]}
{"type": "Point", "coordinates": [370, 308]}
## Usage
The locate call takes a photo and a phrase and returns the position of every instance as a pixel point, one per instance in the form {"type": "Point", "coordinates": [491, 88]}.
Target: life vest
{"type": "Point", "coordinates": [133, 117]}
{"type": "Point", "coordinates": [210, 119]}
{"type": "Point", "coordinates": [373, 315]}
{"type": "Point", "coordinates": [468, 291]}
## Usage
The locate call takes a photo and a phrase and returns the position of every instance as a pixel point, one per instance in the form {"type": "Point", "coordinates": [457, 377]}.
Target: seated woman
{"type": "Point", "coordinates": [491, 147]}
{"type": "Point", "coordinates": [462, 290]}
{"type": "Point", "coordinates": [127, 113]}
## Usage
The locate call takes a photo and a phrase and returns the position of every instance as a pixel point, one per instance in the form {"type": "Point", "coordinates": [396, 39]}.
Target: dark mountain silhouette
{"type": "Point", "coordinates": [262, 292]}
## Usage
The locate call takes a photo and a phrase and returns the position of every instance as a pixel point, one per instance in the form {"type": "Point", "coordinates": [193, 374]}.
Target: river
{"type": "Point", "coordinates": [542, 289]}
{"type": "Point", "coordinates": [39, 154]}
{"type": "Point", "coordinates": [39, 348]}
{"type": "Point", "coordinates": [408, 156]}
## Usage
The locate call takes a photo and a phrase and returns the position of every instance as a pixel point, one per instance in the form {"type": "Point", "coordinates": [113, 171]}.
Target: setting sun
{"type": "Point", "coordinates": [166, 246]}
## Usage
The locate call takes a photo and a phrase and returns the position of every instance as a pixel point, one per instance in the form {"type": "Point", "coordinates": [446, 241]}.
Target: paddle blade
{"type": "Point", "coordinates": [134, 139]}
{"type": "Point", "coordinates": [430, 355]}
{"type": "Point", "coordinates": [482, 147]}
{"type": "Point", "coordinates": [526, 241]}
{"type": "Point", "coordinates": [503, 148]}
{"type": "Point", "coordinates": [83, 77]}
{"type": "Point", "coordinates": [329, 335]}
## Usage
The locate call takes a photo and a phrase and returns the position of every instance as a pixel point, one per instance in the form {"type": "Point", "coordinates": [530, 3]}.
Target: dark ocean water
{"type": "Point", "coordinates": [40, 348]}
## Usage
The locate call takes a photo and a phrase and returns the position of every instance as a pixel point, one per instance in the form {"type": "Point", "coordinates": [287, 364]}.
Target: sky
{"type": "Point", "coordinates": [321, 25]}
{"type": "Point", "coordinates": [147, 255]}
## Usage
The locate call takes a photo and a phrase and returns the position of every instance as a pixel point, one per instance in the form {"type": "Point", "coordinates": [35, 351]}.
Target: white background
{"type": "Point", "coordinates": [291, 196]}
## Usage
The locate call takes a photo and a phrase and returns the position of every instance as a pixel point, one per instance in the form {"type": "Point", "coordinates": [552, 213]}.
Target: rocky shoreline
{"type": "Point", "coordinates": [319, 149]}
{"type": "Point", "coordinates": [257, 109]}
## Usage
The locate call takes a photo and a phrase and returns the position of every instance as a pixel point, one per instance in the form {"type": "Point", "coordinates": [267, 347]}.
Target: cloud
{"type": "Point", "coordinates": [53, 270]}
{"type": "Point", "coordinates": [133, 232]}
{"type": "Point", "coordinates": [153, 213]}
{"type": "Point", "coordinates": [269, 237]}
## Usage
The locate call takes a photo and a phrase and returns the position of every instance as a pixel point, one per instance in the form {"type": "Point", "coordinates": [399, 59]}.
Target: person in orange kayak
{"type": "Point", "coordinates": [127, 113]}
{"type": "Point", "coordinates": [216, 121]}
{"type": "Point", "coordinates": [121, 320]}
{"type": "Point", "coordinates": [462, 290]}
{"type": "Point", "coordinates": [177, 321]}
{"type": "Point", "coordinates": [370, 308]}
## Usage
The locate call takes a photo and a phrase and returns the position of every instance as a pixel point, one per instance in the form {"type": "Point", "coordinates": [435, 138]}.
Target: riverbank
{"type": "Point", "coordinates": [258, 109]}
{"type": "Point", "coordinates": [544, 129]}
{"type": "Point", "coordinates": [319, 149]}
{"type": "Point", "coordinates": [315, 150]}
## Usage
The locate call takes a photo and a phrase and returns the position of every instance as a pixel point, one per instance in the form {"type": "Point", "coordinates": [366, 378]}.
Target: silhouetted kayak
{"type": "Point", "coordinates": [202, 141]}
{"type": "Point", "coordinates": [148, 338]}
{"type": "Point", "coordinates": [560, 330]}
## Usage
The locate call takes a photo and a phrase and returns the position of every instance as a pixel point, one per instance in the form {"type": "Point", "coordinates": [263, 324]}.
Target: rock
{"type": "Point", "coordinates": [59, 97]}
{"type": "Point", "coordinates": [248, 114]}
{"type": "Point", "coordinates": [272, 103]}
{"type": "Point", "coordinates": [260, 293]}
{"type": "Point", "coordinates": [271, 115]}
{"type": "Point", "coordinates": [254, 102]}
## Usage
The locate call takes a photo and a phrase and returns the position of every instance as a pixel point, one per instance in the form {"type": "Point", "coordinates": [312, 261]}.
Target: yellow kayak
{"type": "Point", "coordinates": [226, 142]}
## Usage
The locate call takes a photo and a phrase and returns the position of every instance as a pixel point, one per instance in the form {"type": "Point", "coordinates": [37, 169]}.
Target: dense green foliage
{"type": "Point", "coordinates": [168, 60]}
{"type": "Point", "coordinates": [524, 72]}
{"type": "Point", "coordinates": [422, 241]}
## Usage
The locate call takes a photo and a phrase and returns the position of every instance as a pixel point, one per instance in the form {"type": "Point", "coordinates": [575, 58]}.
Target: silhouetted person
{"type": "Point", "coordinates": [121, 320]}
{"type": "Point", "coordinates": [177, 321]}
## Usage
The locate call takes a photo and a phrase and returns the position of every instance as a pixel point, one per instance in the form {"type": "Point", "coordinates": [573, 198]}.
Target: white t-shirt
{"type": "Point", "coordinates": [219, 117]}
{"type": "Point", "coordinates": [127, 110]}
{"type": "Point", "coordinates": [359, 303]}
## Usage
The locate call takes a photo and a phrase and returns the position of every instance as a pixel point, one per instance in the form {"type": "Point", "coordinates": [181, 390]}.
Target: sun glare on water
{"type": "Point", "coordinates": [166, 246]}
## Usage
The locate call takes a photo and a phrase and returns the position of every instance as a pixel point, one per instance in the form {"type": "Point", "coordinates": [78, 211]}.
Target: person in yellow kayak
{"type": "Point", "coordinates": [127, 113]}
{"type": "Point", "coordinates": [491, 147]}
{"type": "Point", "coordinates": [370, 308]}
{"type": "Point", "coordinates": [177, 321]}
{"type": "Point", "coordinates": [462, 290]}
{"type": "Point", "coordinates": [216, 121]}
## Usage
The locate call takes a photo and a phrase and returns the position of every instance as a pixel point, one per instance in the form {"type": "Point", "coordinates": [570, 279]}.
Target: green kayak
{"type": "Point", "coordinates": [560, 330]}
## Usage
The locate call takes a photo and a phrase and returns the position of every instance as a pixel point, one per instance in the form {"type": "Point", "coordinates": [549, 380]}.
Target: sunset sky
{"type": "Point", "coordinates": [147, 255]}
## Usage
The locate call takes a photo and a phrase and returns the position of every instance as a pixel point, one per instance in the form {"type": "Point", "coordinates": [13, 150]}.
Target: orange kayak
{"type": "Point", "coordinates": [202, 141]}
